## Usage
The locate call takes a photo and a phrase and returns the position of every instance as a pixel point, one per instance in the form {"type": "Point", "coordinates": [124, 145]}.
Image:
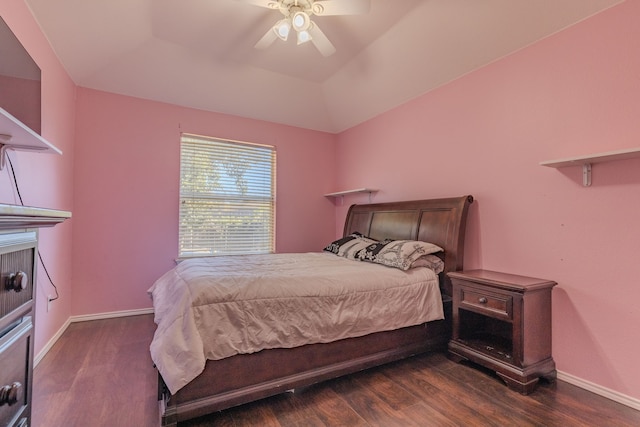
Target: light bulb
{"type": "Point", "coordinates": [282, 29]}
{"type": "Point", "coordinates": [303, 36]}
{"type": "Point", "coordinates": [300, 21]}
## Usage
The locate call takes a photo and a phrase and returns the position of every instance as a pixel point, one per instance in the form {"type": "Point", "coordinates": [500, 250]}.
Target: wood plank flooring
{"type": "Point", "coordinates": [100, 374]}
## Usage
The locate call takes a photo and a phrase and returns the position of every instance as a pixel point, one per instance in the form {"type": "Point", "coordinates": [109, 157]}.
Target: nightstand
{"type": "Point", "coordinates": [503, 322]}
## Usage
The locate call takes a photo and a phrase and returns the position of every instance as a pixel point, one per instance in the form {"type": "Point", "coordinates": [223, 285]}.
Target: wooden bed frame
{"type": "Point", "coordinates": [248, 377]}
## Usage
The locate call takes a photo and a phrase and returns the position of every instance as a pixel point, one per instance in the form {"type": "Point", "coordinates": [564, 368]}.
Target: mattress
{"type": "Point", "coordinates": [213, 308]}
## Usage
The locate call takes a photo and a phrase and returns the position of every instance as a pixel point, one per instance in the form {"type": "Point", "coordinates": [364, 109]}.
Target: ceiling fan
{"type": "Point", "coordinates": [297, 16]}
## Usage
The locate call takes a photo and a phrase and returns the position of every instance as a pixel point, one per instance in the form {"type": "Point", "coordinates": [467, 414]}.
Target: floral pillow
{"type": "Point", "coordinates": [397, 253]}
{"type": "Point", "coordinates": [350, 245]}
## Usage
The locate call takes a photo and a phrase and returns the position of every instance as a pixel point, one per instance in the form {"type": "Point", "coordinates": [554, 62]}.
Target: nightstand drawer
{"type": "Point", "coordinates": [491, 304]}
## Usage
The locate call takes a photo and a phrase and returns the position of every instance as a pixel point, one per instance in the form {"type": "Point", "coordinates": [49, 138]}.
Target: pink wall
{"type": "Point", "coordinates": [45, 180]}
{"type": "Point", "coordinates": [127, 171]}
{"type": "Point", "coordinates": [575, 93]}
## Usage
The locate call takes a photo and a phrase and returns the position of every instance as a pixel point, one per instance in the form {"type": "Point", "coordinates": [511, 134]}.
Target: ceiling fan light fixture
{"type": "Point", "coordinates": [301, 21]}
{"type": "Point", "coordinates": [282, 29]}
{"type": "Point", "coordinates": [297, 16]}
{"type": "Point", "coordinates": [303, 36]}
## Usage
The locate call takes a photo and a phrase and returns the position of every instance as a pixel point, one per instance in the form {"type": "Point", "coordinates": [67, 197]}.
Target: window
{"type": "Point", "coordinates": [227, 197]}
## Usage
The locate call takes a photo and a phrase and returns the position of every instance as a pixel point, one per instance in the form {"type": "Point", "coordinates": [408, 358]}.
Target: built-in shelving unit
{"type": "Point", "coordinates": [588, 160]}
{"type": "Point", "coordinates": [341, 194]}
{"type": "Point", "coordinates": [17, 136]}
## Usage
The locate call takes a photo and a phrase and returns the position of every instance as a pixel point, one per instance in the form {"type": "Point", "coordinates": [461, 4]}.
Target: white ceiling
{"type": "Point", "coordinates": [199, 53]}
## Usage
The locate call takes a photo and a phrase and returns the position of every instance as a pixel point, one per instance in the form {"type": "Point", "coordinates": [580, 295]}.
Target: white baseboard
{"type": "Point", "coordinates": [110, 315]}
{"type": "Point", "coordinates": [599, 390]}
{"type": "Point", "coordinates": [85, 318]}
{"type": "Point", "coordinates": [562, 376]}
{"type": "Point", "coordinates": [38, 357]}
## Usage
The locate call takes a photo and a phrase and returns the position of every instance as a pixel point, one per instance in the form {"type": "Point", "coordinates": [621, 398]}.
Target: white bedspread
{"type": "Point", "coordinates": [212, 308]}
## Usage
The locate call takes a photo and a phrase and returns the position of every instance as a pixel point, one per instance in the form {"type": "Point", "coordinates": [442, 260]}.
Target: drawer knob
{"type": "Point", "coordinates": [482, 300]}
{"type": "Point", "coordinates": [18, 281]}
{"type": "Point", "coordinates": [9, 394]}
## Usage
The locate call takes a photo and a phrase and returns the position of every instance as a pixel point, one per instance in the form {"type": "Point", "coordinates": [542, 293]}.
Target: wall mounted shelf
{"type": "Point", "coordinates": [341, 194]}
{"type": "Point", "coordinates": [588, 160]}
{"type": "Point", "coordinates": [15, 135]}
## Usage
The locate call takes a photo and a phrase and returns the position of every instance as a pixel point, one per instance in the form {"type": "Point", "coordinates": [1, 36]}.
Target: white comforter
{"type": "Point", "coordinates": [212, 308]}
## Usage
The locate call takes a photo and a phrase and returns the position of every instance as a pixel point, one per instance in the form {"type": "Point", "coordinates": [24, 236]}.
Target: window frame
{"type": "Point", "coordinates": [234, 206]}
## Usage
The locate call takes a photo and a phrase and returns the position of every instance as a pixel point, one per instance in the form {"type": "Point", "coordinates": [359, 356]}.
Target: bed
{"type": "Point", "coordinates": [232, 377]}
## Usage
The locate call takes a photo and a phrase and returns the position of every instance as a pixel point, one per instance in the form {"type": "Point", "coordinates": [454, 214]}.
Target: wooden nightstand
{"type": "Point", "coordinates": [503, 322]}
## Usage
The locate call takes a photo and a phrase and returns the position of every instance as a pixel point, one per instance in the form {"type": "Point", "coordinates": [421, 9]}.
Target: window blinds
{"type": "Point", "coordinates": [227, 197]}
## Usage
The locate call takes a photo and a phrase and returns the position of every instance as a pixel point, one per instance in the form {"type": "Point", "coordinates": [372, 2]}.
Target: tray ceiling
{"type": "Point", "coordinates": [200, 54]}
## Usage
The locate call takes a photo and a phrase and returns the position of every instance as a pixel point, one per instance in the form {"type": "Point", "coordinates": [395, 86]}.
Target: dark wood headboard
{"type": "Point", "coordinates": [439, 221]}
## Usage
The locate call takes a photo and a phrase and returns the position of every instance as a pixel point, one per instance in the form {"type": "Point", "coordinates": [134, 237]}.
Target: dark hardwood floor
{"type": "Point", "coordinates": [100, 374]}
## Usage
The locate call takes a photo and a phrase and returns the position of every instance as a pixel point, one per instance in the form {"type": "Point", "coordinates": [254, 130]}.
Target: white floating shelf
{"type": "Point", "coordinates": [344, 193]}
{"type": "Point", "coordinates": [609, 156]}
{"type": "Point", "coordinates": [341, 194]}
{"type": "Point", "coordinates": [587, 161]}
{"type": "Point", "coordinates": [15, 135]}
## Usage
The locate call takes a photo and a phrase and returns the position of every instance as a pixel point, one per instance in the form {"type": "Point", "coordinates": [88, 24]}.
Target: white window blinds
{"type": "Point", "coordinates": [227, 197]}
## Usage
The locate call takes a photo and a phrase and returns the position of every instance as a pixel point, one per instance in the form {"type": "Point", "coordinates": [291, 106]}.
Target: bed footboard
{"type": "Point", "coordinates": [248, 377]}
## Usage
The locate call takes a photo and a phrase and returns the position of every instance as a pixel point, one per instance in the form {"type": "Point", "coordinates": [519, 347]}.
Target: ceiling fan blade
{"type": "Point", "coordinates": [321, 41]}
{"type": "Point", "coordinates": [266, 40]}
{"type": "Point", "coordinates": [342, 7]}
{"type": "Point", "coordinates": [269, 4]}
